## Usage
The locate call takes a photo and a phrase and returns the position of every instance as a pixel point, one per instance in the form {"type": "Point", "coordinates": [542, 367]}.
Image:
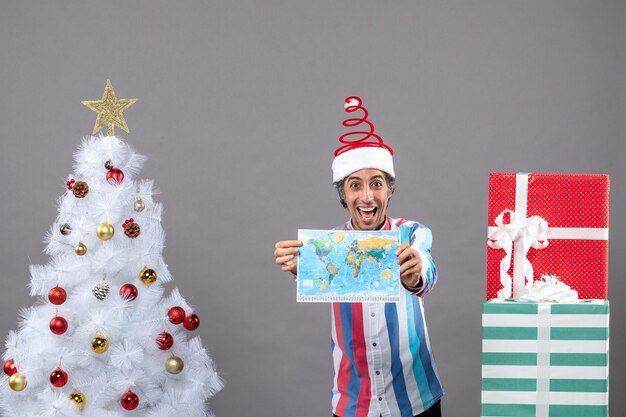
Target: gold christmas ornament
{"type": "Point", "coordinates": [139, 205]}
{"type": "Point", "coordinates": [148, 276]}
{"type": "Point", "coordinates": [105, 231]}
{"type": "Point", "coordinates": [79, 399]}
{"type": "Point", "coordinates": [81, 249]}
{"type": "Point", "coordinates": [174, 365]}
{"type": "Point", "coordinates": [17, 382]}
{"type": "Point", "coordinates": [100, 344]}
{"type": "Point", "coordinates": [110, 110]}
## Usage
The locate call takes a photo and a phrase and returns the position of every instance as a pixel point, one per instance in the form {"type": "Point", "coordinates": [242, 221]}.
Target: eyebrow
{"type": "Point", "coordinates": [378, 176]}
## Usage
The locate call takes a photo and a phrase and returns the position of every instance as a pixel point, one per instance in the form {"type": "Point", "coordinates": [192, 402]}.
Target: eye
{"type": "Point", "coordinates": [354, 185]}
{"type": "Point", "coordinates": [377, 184]}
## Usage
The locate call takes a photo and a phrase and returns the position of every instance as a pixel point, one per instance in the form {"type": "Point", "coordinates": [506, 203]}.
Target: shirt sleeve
{"type": "Point", "coordinates": [421, 241]}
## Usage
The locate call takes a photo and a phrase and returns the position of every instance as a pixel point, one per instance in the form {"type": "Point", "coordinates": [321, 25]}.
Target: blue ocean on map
{"type": "Point", "coordinates": [341, 265]}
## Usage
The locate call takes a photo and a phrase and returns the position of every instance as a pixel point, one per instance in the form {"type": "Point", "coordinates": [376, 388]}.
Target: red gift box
{"type": "Point", "coordinates": [554, 224]}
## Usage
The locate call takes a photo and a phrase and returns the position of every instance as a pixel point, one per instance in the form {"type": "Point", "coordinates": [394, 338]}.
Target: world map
{"type": "Point", "coordinates": [348, 266]}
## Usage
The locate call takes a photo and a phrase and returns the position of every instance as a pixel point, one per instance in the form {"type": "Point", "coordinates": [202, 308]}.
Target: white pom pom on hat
{"type": "Point", "coordinates": [365, 151]}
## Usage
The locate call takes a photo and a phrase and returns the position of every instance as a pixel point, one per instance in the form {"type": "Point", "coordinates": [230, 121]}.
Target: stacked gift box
{"type": "Point", "coordinates": [546, 321]}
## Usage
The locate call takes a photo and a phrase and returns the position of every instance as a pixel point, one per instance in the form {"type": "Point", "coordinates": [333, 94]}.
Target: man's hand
{"type": "Point", "coordinates": [410, 266]}
{"type": "Point", "coordinates": [286, 254]}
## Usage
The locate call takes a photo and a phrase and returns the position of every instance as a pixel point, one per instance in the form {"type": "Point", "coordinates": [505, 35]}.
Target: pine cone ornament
{"type": "Point", "coordinates": [80, 189]}
{"type": "Point", "coordinates": [101, 290]}
{"type": "Point", "coordinates": [131, 229]}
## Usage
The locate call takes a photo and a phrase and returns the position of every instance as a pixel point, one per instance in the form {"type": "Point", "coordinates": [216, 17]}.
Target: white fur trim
{"type": "Point", "coordinates": [362, 158]}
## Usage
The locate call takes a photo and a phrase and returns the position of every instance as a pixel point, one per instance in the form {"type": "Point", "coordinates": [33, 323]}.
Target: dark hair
{"type": "Point", "coordinates": [391, 184]}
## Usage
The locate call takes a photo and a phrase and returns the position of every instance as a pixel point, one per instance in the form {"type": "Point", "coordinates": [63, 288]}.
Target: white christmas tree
{"type": "Point", "coordinates": [103, 339]}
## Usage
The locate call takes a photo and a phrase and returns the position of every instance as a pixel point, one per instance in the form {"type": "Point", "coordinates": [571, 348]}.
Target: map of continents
{"type": "Point", "coordinates": [348, 266]}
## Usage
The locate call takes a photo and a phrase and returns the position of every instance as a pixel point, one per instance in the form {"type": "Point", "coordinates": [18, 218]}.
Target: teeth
{"type": "Point", "coordinates": [367, 210]}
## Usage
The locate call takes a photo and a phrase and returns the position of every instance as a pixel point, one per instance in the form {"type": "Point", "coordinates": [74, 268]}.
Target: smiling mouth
{"type": "Point", "coordinates": [367, 213]}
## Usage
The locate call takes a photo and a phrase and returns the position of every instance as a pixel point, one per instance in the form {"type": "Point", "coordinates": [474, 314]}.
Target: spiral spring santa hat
{"type": "Point", "coordinates": [360, 149]}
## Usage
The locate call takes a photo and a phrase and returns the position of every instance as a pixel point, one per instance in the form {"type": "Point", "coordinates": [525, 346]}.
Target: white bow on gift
{"type": "Point", "coordinates": [526, 233]}
{"type": "Point", "coordinates": [548, 290]}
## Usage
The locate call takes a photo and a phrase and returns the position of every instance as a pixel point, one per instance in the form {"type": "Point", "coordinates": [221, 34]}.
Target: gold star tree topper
{"type": "Point", "coordinates": [110, 110]}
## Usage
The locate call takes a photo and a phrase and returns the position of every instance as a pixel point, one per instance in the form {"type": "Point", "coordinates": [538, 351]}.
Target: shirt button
{"type": "Point", "coordinates": [374, 344]}
{"type": "Point", "coordinates": [377, 372]}
{"type": "Point", "coordinates": [373, 314]}
{"type": "Point", "coordinates": [380, 398]}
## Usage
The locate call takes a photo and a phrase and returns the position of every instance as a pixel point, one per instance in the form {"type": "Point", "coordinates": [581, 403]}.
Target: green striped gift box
{"type": "Point", "coordinates": [545, 360]}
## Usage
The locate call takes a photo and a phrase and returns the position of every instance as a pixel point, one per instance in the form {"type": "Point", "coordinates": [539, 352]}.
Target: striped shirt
{"type": "Point", "coordinates": [381, 352]}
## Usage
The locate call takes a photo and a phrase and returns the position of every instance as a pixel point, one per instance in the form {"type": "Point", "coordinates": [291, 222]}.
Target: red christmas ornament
{"type": "Point", "coordinates": [58, 325]}
{"type": "Point", "coordinates": [57, 295]}
{"type": "Point", "coordinates": [58, 378]}
{"type": "Point", "coordinates": [115, 176]}
{"type": "Point", "coordinates": [176, 315]}
{"type": "Point", "coordinates": [70, 183]}
{"type": "Point", "coordinates": [129, 401]}
{"type": "Point", "coordinates": [192, 322]}
{"type": "Point", "coordinates": [9, 367]}
{"type": "Point", "coordinates": [128, 292]}
{"type": "Point", "coordinates": [165, 341]}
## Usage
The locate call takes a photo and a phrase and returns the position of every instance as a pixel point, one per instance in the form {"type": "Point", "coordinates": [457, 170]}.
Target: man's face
{"type": "Point", "coordinates": [367, 196]}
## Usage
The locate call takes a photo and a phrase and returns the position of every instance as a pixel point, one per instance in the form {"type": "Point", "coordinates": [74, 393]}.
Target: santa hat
{"type": "Point", "coordinates": [360, 149]}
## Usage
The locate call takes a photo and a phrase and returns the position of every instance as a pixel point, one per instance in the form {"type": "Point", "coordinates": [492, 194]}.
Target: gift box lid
{"type": "Point", "coordinates": [563, 200]}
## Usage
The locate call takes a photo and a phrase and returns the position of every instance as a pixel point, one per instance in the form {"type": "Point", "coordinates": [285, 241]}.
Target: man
{"type": "Point", "coordinates": [381, 352]}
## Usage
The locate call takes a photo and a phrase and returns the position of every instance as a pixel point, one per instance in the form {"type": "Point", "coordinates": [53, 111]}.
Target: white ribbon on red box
{"type": "Point", "coordinates": [526, 232]}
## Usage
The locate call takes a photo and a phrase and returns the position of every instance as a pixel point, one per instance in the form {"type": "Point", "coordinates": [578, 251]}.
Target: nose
{"type": "Point", "coordinates": [368, 194]}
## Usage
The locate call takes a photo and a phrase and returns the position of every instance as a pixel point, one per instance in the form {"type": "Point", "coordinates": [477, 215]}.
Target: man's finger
{"type": "Point", "coordinates": [288, 243]}
{"type": "Point", "coordinates": [405, 254]}
{"type": "Point", "coordinates": [401, 248]}
{"type": "Point", "coordinates": [283, 259]}
{"type": "Point", "coordinates": [285, 251]}
{"type": "Point", "coordinates": [412, 280]}
{"type": "Point", "coordinates": [408, 265]}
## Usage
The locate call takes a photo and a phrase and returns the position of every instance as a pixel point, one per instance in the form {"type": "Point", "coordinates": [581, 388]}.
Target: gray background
{"type": "Point", "coordinates": [240, 107]}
